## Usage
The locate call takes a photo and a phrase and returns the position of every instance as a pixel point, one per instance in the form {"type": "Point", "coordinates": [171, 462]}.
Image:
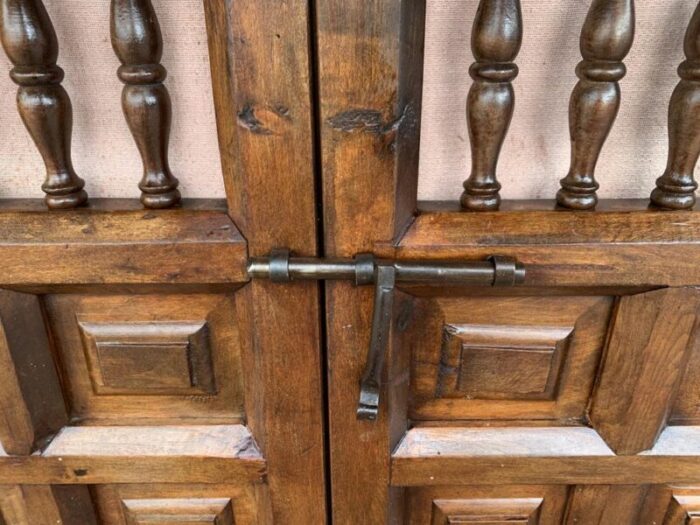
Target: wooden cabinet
{"type": "Point", "coordinates": [149, 375]}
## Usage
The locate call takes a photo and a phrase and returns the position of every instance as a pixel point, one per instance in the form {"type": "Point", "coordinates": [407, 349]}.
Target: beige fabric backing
{"type": "Point", "coordinates": [535, 155]}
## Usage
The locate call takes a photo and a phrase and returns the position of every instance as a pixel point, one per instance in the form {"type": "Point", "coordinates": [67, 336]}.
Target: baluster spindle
{"type": "Point", "coordinates": [137, 41]}
{"type": "Point", "coordinates": [30, 42]}
{"type": "Point", "coordinates": [606, 38]}
{"type": "Point", "coordinates": [496, 39]}
{"type": "Point", "coordinates": [675, 189]}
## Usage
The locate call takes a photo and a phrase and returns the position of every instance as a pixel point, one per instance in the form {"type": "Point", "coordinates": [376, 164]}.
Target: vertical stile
{"type": "Point", "coordinates": [137, 42]}
{"type": "Point", "coordinates": [675, 189]}
{"type": "Point", "coordinates": [30, 43]}
{"type": "Point", "coordinates": [606, 38]}
{"type": "Point", "coordinates": [496, 40]}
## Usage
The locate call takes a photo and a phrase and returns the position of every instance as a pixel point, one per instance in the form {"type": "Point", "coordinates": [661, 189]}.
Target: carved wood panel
{"type": "Point", "coordinates": [520, 358]}
{"type": "Point", "coordinates": [181, 504]}
{"type": "Point", "coordinates": [487, 505]}
{"type": "Point", "coordinates": [160, 357]}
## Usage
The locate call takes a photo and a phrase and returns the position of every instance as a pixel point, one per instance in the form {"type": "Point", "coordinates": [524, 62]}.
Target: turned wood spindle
{"type": "Point", "coordinates": [606, 38]}
{"type": "Point", "coordinates": [30, 43]}
{"type": "Point", "coordinates": [675, 189]}
{"type": "Point", "coordinates": [138, 43]}
{"type": "Point", "coordinates": [496, 39]}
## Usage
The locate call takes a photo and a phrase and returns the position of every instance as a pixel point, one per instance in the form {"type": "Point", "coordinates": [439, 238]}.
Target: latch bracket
{"type": "Point", "coordinates": [365, 269]}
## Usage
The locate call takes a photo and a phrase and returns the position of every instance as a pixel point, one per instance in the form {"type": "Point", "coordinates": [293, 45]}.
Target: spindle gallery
{"type": "Point", "coordinates": [315, 344]}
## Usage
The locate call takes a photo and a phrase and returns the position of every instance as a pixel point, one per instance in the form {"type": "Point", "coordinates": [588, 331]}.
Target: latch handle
{"type": "Point", "coordinates": [364, 269]}
{"type": "Point", "coordinates": [370, 384]}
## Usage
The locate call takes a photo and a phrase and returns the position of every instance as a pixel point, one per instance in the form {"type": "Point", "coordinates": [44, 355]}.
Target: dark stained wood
{"type": "Point", "coordinates": [137, 454]}
{"type": "Point", "coordinates": [32, 408]}
{"type": "Point", "coordinates": [45, 505]}
{"type": "Point", "coordinates": [562, 455]}
{"type": "Point", "coordinates": [486, 505]}
{"type": "Point", "coordinates": [565, 248]}
{"type": "Point", "coordinates": [30, 42]}
{"type": "Point", "coordinates": [137, 41]}
{"type": "Point", "coordinates": [675, 189]}
{"type": "Point", "coordinates": [477, 358]}
{"type": "Point", "coordinates": [370, 67]}
{"type": "Point", "coordinates": [192, 503]}
{"type": "Point", "coordinates": [606, 38]}
{"type": "Point", "coordinates": [110, 347]}
{"type": "Point", "coordinates": [644, 363]}
{"type": "Point", "coordinates": [99, 246]}
{"type": "Point", "coordinates": [601, 504]}
{"type": "Point", "coordinates": [496, 38]}
{"type": "Point", "coordinates": [261, 72]}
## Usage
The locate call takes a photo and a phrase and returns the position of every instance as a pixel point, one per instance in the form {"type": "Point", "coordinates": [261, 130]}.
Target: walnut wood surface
{"type": "Point", "coordinates": [675, 189]}
{"type": "Point", "coordinates": [46, 505]}
{"type": "Point", "coordinates": [32, 407]}
{"type": "Point", "coordinates": [141, 454]}
{"type": "Point", "coordinates": [606, 38]}
{"type": "Point", "coordinates": [30, 42]}
{"type": "Point", "coordinates": [496, 38]}
{"type": "Point", "coordinates": [97, 246]}
{"type": "Point", "coordinates": [648, 352]}
{"type": "Point", "coordinates": [562, 455]}
{"type": "Point", "coordinates": [565, 248]}
{"type": "Point", "coordinates": [370, 67]}
{"type": "Point", "coordinates": [261, 73]}
{"type": "Point", "coordinates": [137, 42]}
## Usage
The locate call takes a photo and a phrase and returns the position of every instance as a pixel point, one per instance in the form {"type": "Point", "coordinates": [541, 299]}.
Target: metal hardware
{"type": "Point", "coordinates": [364, 269]}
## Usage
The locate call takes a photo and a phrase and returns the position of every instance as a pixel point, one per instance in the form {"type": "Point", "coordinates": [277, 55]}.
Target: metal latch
{"type": "Point", "coordinates": [365, 269]}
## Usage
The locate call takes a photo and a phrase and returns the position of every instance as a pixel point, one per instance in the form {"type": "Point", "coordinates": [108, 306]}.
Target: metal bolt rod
{"type": "Point", "coordinates": [281, 268]}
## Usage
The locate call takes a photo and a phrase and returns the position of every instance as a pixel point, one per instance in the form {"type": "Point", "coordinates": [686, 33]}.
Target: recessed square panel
{"type": "Point", "coordinates": [215, 511]}
{"type": "Point", "coordinates": [162, 358]}
{"type": "Point", "coordinates": [148, 358]}
{"type": "Point", "coordinates": [506, 358]}
{"type": "Point", "coordinates": [487, 511]}
{"type": "Point", "coordinates": [486, 505]}
{"type": "Point", "coordinates": [182, 504]}
{"type": "Point", "coordinates": [497, 362]}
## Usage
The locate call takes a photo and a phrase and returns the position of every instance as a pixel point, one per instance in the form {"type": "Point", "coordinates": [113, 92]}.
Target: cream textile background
{"type": "Point", "coordinates": [534, 158]}
{"type": "Point", "coordinates": [536, 153]}
{"type": "Point", "coordinates": [104, 153]}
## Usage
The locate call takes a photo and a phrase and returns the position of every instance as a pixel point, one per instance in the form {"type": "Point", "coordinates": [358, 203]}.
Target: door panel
{"type": "Point", "coordinates": [505, 359]}
{"type": "Point", "coordinates": [164, 504]}
{"type": "Point", "coordinates": [165, 358]}
{"type": "Point", "coordinates": [46, 505]}
{"type": "Point", "coordinates": [504, 505]}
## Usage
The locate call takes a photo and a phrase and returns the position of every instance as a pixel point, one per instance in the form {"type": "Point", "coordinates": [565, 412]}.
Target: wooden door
{"type": "Point", "coordinates": [143, 378]}
{"type": "Point", "coordinates": [571, 399]}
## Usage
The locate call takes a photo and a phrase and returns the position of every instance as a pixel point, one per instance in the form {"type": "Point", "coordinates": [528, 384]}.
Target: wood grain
{"type": "Point", "coordinates": [142, 454]}
{"type": "Point", "coordinates": [101, 247]}
{"type": "Point", "coordinates": [512, 455]}
{"type": "Point", "coordinates": [32, 408]}
{"type": "Point", "coordinates": [600, 504]}
{"type": "Point", "coordinates": [566, 248]}
{"type": "Point", "coordinates": [218, 504]}
{"type": "Point", "coordinates": [262, 80]}
{"type": "Point", "coordinates": [370, 67]}
{"type": "Point", "coordinates": [45, 505]}
{"type": "Point", "coordinates": [643, 366]}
